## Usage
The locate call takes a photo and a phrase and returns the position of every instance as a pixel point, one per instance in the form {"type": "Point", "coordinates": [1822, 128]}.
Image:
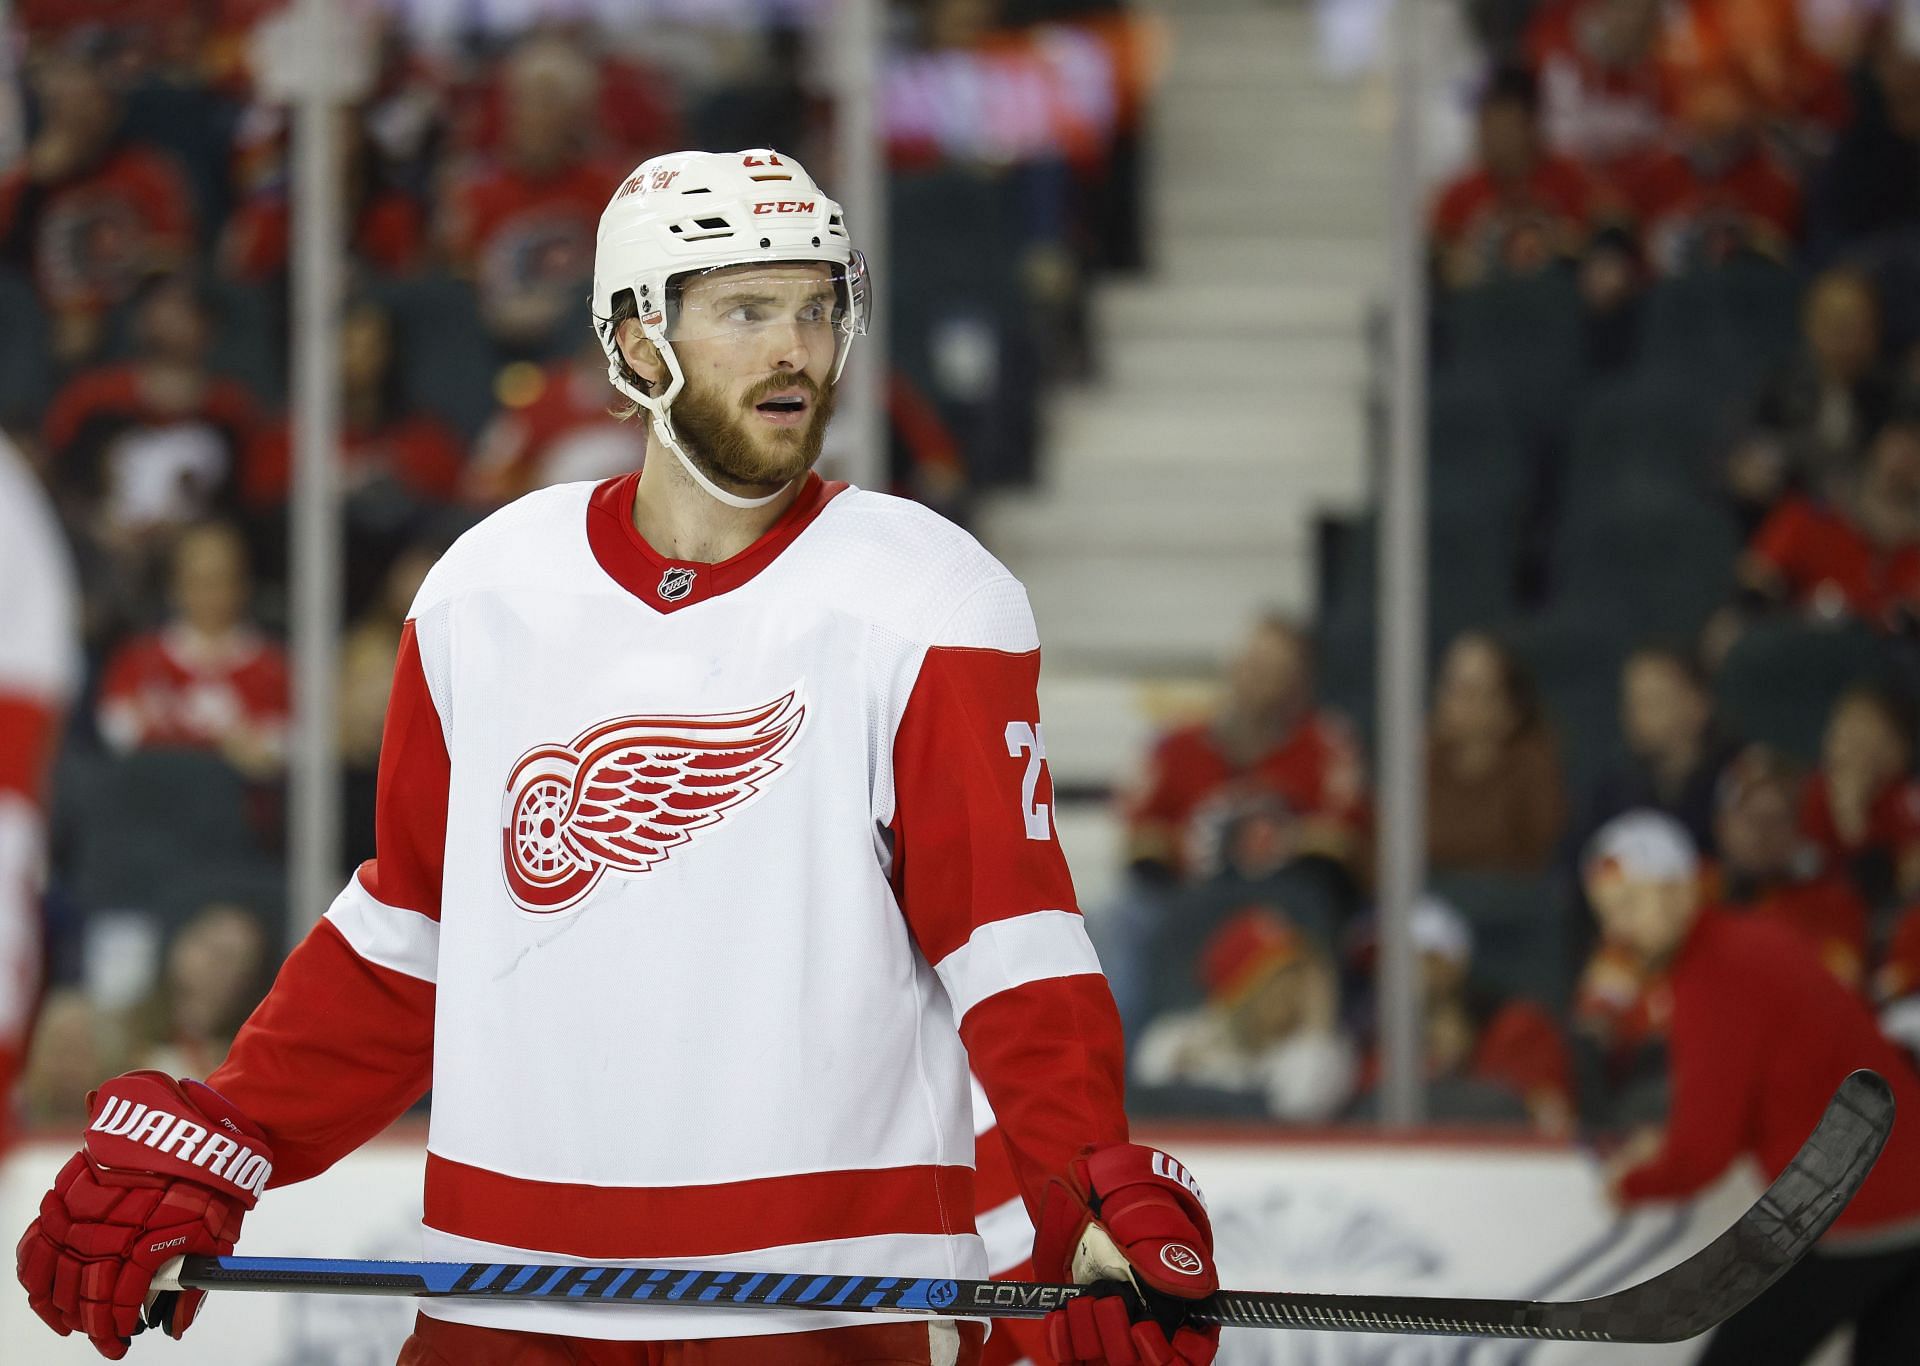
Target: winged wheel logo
{"type": "Point", "coordinates": [625, 794]}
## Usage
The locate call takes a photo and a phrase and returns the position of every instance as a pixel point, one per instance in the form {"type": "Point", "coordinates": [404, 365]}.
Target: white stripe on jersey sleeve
{"type": "Point", "coordinates": [1007, 1230]}
{"type": "Point", "coordinates": [1003, 954]}
{"type": "Point", "coordinates": [402, 940]}
{"type": "Point", "coordinates": [983, 1118]}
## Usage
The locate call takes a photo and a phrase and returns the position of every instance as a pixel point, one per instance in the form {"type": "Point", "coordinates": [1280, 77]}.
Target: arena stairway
{"type": "Point", "coordinates": [1179, 490]}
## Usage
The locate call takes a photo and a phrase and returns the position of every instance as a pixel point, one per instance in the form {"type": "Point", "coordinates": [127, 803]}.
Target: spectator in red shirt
{"type": "Point", "coordinates": [1861, 809]}
{"type": "Point", "coordinates": [89, 212]}
{"type": "Point", "coordinates": [1719, 195]}
{"type": "Point", "coordinates": [1603, 101]}
{"type": "Point", "coordinates": [1521, 209]}
{"type": "Point", "coordinates": [386, 227]}
{"type": "Point", "coordinates": [1858, 556]}
{"type": "Point", "coordinates": [556, 426]}
{"type": "Point", "coordinates": [1268, 739]}
{"type": "Point", "coordinates": [141, 448]}
{"type": "Point", "coordinates": [1760, 1035]}
{"type": "Point", "coordinates": [1813, 421]}
{"type": "Point", "coordinates": [1496, 800]}
{"type": "Point", "coordinates": [381, 445]}
{"type": "Point", "coordinates": [523, 225]}
{"type": "Point", "coordinates": [208, 679]}
{"type": "Point", "coordinates": [1769, 870]}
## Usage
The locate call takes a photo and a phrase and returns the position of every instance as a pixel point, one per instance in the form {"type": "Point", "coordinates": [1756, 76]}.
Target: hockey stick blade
{"type": "Point", "coordinates": [1682, 1302]}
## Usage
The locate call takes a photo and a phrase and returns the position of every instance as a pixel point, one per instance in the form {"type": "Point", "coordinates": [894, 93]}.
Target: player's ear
{"type": "Point", "coordinates": [642, 357]}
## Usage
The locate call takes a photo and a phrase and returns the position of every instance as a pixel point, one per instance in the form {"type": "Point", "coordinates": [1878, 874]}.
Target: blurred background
{"type": "Point", "coordinates": [1602, 315]}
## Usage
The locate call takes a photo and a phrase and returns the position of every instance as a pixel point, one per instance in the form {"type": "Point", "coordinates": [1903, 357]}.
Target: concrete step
{"type": "Point", "coordinates": [1229, 304]}
{"type": "Point", "coordinates": [1229, 370]}
{"type": "Point", "coordinates": [1246, 253]}
{"type": "Point", "coordinates": [1136, 429]}
{"type": "Point", "coordinates": [1142, 612]}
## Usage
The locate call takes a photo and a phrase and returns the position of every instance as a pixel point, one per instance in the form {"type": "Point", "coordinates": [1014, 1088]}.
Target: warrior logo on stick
{"type": "Point", "coordinates": [626, 793]}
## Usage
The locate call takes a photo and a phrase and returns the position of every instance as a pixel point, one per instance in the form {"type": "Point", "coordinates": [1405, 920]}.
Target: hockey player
{"type": "Point", "coordinates": [714, 843]}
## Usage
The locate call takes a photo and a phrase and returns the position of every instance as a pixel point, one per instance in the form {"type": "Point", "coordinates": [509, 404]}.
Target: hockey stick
{"type": "Point", "coordinates": [1681, 1302]}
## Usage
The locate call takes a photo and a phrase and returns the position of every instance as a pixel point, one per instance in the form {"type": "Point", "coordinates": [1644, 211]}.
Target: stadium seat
{"type": "Point", "coordinates": [1660, 560]}
{"type": "Point", "coordinates": [1729, 327]}
{"type": "Point", "coordinates": [1530, 332]}
{"type": "Point", "coordinates": [1646, 430]}
{"type": "Point", "coordinates": [1473, 446]}
{"type": "Point", "coordinates": [163, 831]}
{"type": "Point", "coordinates": [26, 366]}
{"type": "Point", "coordinates": [1520, 932]}
{"type": "Point", "coordinates": [1782, 678]}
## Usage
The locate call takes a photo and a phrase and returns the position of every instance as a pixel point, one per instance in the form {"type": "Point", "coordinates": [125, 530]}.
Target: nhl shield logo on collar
{"type": "Point", "coordinates": [675, 584]}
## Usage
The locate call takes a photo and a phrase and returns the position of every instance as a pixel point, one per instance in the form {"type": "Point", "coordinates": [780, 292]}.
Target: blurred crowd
{"type": "Point", "coordinates": [1675, 587]}
{"type": "Point", "coordinates": [144, 277]}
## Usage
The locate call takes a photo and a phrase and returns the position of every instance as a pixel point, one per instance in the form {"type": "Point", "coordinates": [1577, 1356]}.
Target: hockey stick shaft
{"type": "Point", "coordinates": [1681, 1302]}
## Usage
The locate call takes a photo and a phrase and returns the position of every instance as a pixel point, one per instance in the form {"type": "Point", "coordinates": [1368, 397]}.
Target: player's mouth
{"type": "Point", "coordinates": [785, 407]}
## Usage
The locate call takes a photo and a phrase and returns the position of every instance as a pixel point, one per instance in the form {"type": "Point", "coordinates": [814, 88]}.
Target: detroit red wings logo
{"type": "Point", "coordinates": [625, 794]}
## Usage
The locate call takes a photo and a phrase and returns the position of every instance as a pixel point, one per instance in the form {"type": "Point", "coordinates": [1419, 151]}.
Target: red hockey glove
{"type": "Point", "coordinates": [168, 1169]}
{"type": "Point", "coordinates": [1130, 1222]}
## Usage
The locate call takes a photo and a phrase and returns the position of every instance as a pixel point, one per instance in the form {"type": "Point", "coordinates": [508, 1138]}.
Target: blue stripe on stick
{"type": "Point", "coordinates": [644, 1290]}
{"type": "Point", "coordinates": [587, 1278]}
{"type": "Point", "coordinates": [527, 1273]}
{"type": "Point", "coordinates": [553, 1280]}
{"type": "Point", "coordinates": [613, 1287]}
{"type": "Point", "coordinates": [778, 1295]}
{"type": "Point", "coordinates": [720, 1282]}
{"type": "Point", "coordinates": [878, 1295]}
{"type": "Point", "coordinates": [740, 1295]}
{"type": "Point", "coordinates": [684, 1284]}
{"type": "Point", "coordinates": [812, 1292]}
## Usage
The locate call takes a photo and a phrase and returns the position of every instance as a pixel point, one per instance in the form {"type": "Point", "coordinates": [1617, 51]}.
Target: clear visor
{"type": "Point", "coordinates": [813, 300]}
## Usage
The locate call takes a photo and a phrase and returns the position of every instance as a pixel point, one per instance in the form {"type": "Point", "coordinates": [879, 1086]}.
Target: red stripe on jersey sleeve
{"type": "Point", "coordinates": [29, 730]}
{"type": "Point", "coordinates": [342, 1046]}
{"type": "Point", "coordinates": [973, 801]}
{"type": "Point", "coordinates": [639, 1223]}
{"type": "Point", "coordinates": [1049, 1055]}
{"type": "Point", "coordinates": [338, 1051]}
{"type": "Point", "coordinates": [410, 808]}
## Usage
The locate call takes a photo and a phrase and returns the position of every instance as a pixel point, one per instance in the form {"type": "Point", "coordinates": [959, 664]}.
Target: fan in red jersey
{"type": "Point", "coordinates": [39, 667]}
{"type": "Point", "coordinates": [715, 847]}
{"type": "Point", "coordinates": [89, 212]}
{"type": "Point", "coordinates": [1759, 1034]}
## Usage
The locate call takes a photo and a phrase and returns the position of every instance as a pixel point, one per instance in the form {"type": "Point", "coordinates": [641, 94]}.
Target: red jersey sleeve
{"type": "Point", "coordinates": [343, 1044]}
{"type": "Point", "coordinates": [984, 887]}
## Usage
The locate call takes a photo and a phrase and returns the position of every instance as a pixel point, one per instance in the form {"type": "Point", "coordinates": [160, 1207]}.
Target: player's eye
{"type": "Point", "coordinates": [745, 314]}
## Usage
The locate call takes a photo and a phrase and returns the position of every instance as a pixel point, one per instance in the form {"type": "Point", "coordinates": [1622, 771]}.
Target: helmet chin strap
{"type": "Point", "coordinates": [663, 427]}
{"type": "Point", "coordinates": [663, 424]}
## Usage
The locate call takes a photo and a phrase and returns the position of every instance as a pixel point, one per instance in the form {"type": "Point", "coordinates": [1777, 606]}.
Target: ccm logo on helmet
{"type": "Point", "coordinates": [784, 206]}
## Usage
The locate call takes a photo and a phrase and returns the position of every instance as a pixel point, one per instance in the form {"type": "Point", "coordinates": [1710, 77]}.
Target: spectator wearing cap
{"type": "Point", "coordinates": [1521, 209]}
{"type": "Point", "coordinates": [208, 679]}
{"type": "Point", "coordinates": [1861, 808]}
{"type": "Point", "coordinates": [1674, 752]}
{"type": "Point", "coordinates": [1268, 1028]}
{"type": "Point", "coordinates": [1478, 1043]}
{"type": "Point", "coordinates": [1759, 1036]}
{"type": "Point", "coordinates": [90, 211]}
{"type": "Point", "coordinates": [1496, 801]}
{"type": "Point", "coordinates": [1769, 870]}
{"type": "Point", "coordinates": [1858, 556]}
{"type": "Point", "coordinates": [1812, 422]}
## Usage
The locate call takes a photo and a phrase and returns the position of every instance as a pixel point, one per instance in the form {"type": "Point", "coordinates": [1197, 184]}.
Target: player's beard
{"type": "Point", "coordinates": [718, 436]}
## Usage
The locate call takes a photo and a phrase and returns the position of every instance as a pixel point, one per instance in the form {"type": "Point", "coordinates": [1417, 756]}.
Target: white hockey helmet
{"type": "Point", "coordinates": [688, 212]}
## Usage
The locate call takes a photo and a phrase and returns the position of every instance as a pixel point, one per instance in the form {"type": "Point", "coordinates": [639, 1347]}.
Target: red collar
{"type": "Point", "coordinates": [667, 585]}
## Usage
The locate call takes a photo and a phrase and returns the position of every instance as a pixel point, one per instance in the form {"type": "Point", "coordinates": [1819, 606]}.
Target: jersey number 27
{"type": "Point", "coordinates": [1028, 739]}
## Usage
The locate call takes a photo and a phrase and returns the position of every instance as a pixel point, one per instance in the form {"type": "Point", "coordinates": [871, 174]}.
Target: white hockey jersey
{"type": "Point", "coordinates": [691, 881]}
